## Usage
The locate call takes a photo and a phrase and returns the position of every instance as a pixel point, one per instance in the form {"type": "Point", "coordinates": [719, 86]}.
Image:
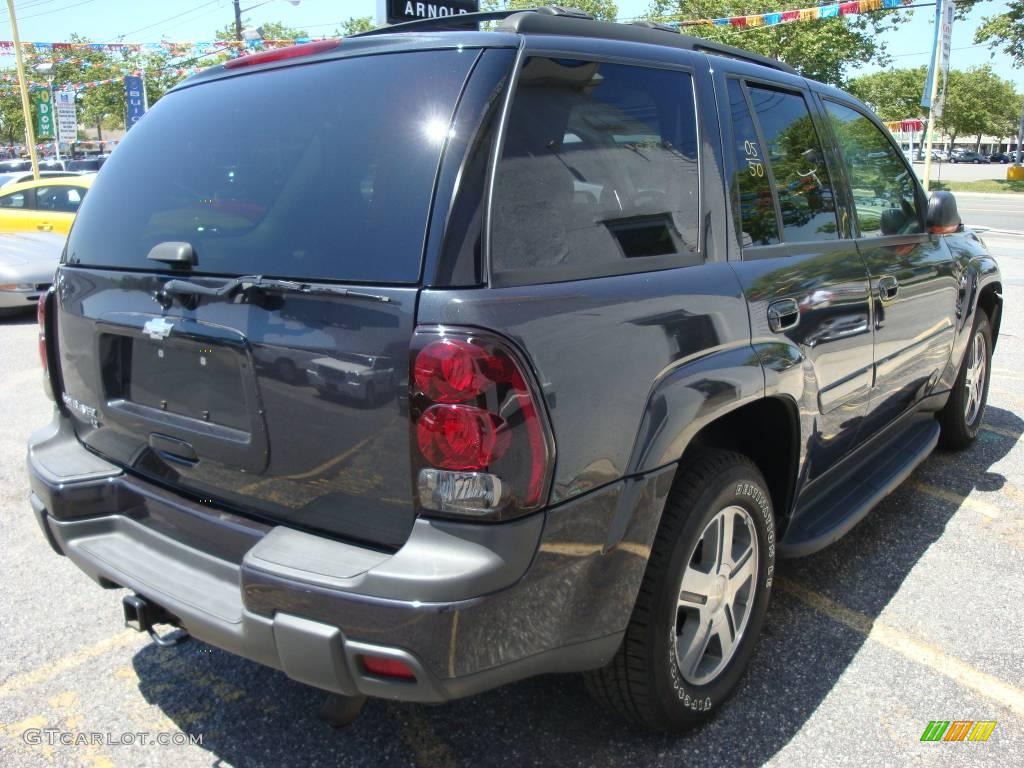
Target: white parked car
{"type": "Point", "coordinates": [27, 263]}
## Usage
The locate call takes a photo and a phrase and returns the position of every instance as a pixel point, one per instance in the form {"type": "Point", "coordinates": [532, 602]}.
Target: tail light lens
{"type": "Point", "coordinates": [43, 359]}
{"type": "Point", "coordinates": [482, 443]}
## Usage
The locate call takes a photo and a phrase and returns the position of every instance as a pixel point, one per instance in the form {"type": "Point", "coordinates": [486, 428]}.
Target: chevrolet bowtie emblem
{"type": "Point", "coordinates": [158, 328]}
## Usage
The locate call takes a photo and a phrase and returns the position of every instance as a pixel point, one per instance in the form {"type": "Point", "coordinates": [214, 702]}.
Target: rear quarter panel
{"type": "Point", "coordinates": [602, 349]}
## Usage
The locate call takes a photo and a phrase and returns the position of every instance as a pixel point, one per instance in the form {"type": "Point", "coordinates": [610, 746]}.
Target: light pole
{"type": "Point", "coordinates": [26, 107]}
{"type": "Point", "coordinates": [239, 10]}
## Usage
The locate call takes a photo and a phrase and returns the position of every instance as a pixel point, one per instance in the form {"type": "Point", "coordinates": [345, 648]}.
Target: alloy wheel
{"type": "Point", "coordinates": [716, 596]}
{"type": "Point", "coordinates": [974, 380]}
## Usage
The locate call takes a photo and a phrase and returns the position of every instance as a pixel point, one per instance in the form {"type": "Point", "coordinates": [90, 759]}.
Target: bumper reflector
{"type": "Point", "coordinates": [387, 667]}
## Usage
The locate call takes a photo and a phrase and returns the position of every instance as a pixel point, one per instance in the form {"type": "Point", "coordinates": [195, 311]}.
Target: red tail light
{"type": "Point", "coordinates": [277, 54]}
{"type": "Point", "coordinates": [43, 359]}
{"type": "Point", "coordinates": [483, 445]}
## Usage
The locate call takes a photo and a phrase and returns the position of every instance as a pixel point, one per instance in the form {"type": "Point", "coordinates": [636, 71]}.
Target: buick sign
{"type": "Point", "coordinates": [398, 11]}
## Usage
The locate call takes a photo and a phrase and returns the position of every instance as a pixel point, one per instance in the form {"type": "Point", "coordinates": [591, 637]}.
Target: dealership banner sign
{"type": "Point", "coordinates": [398, 11]}
{"type": "Point", "coordinates": [42, 108]}
{"type": "Point", "coordinates": [133, 92]}
{"type": "Point", "coordinates": [67, 117]}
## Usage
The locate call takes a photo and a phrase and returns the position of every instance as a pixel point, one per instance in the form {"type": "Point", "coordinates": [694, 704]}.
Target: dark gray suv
{"type": "Point", "coordinates": [649, 312]}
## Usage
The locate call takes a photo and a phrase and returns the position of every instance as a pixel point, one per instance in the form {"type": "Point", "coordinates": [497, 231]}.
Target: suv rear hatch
{"type": "Point", "coordinates": [281, 396]}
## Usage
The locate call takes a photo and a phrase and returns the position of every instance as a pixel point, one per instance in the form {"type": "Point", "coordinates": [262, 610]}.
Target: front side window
{"type": "Point", "coordinates": [884, 191]}
{"type": "Point", "coordinates": [598, 174]}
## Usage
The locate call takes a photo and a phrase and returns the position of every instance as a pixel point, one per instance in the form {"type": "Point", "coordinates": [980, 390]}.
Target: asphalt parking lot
{"type": "Point", "coordinates": [914, 616]}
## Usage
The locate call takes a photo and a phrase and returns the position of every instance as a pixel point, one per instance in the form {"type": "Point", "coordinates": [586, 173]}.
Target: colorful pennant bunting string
{"type": "Point", "coordinates": [164, 46]}
{"type": "Point", "coordinates": [773, 18]}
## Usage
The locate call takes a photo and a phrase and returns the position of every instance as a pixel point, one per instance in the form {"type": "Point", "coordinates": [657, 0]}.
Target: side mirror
{"type": "Point", "coordinates": [943, 217]}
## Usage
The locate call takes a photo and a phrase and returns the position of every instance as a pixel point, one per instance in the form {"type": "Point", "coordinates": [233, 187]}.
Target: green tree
{"type": "Point", "coordinates": [979, 102]}
{"type": "Point", "coordinates": [1004, 32]}
{"type": "Point", "coordinates": [606, 10]}
{"type": "Point", "coordinates": [100, 106]}
{"type": "Point", "coordinates": [12, 122]}
{"type": "Point", "coordinates": [893, 94]}
{"type": "Point", "coordinates": [822, 49]}
{"type": "Point", "coordinates": [271, 30]}
{"type": "Point", "coordinates": [355, 25]}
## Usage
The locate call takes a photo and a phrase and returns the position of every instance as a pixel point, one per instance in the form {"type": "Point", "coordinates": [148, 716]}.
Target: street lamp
{"type": "Point", "coordinates": [239, 10]}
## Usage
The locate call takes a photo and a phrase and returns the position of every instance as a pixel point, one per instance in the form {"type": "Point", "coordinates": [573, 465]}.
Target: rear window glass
{"type": "Point", "coordinates": [598, 175]}
{"type": "Point", "coordinates": [322, 171]}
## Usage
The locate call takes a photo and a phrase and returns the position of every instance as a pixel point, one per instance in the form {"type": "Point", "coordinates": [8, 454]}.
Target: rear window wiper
{"type": "Point", "coordinates": [258, 282]}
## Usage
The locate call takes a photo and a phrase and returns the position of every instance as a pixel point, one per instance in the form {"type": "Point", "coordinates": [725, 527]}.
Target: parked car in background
{"type": "Point", "coordinates": [968, 156]}
{"type": "Point", "coordinates": [47, 205]}
{"type": "Point", "coordinates": [87, 163]}
{"type": "Point", "coordinates": [1000, 157]}
{"type": "Point", "coordinates": [17, 177]}
{"type": "Point", "coordinates": [362, 377]}
{"type": "Point", "coordinates": [27, 263]}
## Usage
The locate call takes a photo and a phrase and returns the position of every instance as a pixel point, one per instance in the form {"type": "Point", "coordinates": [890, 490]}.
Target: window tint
{"type": "Point", "coordinates": [752, 187]}
{"type": "Point", "coordinates": [319, 171]}
{"type": "Point", "coordinates": [798, 166]}
{"type": "Point", "coordinates": [598, 174]}
{"type": "Point", "coordinates": [63, 199]}
{"type": "Point", "coordinates": [884, 191]}
{"type": "Point", "coordinates": [15, 200]}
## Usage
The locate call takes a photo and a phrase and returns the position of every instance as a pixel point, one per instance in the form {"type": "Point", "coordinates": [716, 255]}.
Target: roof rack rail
{"type": "Point", "coordinates": [442, 22]}
{"type": "Point", "coordinates": [558, 20]}
{"type": "Point", "coordinates": [640, 32]}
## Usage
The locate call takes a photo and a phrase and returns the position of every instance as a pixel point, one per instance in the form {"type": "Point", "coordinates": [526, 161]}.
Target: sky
{"type": "Point", "coordinates": [181, 20]}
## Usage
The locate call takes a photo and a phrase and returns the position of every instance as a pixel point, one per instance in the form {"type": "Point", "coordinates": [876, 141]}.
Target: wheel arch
{"type": "Point", "coordinates": [990, 301]}
{"type": "Point", "coordinates": [767, 431]}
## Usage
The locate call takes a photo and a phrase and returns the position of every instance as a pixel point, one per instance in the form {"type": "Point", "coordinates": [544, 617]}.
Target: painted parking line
{"type": "Point", "coordinates": [985, 685]}
{"type": "Point", "coordinates": [954, 498]}
{"type": "Point", "coordinates": [1011, 433]}
{"type": "Point", "coordinates": [46, 672]}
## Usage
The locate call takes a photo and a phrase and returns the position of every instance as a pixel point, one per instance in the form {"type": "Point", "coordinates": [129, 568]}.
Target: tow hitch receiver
{"type": "Point", "coordinates": [141, 615]}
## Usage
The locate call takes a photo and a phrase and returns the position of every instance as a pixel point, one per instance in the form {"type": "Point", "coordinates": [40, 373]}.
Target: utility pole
{"type": "Point", "coordinates": [26, 107]}
{"type": "Point", "coordinates": [238, 20]}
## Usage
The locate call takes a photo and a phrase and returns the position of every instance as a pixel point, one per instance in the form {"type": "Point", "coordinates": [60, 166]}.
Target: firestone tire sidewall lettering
{"type": "Point", "coordinates": [690, 703]}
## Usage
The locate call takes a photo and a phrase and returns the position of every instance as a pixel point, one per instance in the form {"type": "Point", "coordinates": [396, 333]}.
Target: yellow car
{"type": "Point", "coordinates": [47, 205]}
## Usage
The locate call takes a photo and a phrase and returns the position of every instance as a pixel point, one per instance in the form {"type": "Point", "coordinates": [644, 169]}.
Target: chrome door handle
{"type": "Point", "coordinates": [783, 315]}
{"type": "Point", "coordinates": [888, 288]}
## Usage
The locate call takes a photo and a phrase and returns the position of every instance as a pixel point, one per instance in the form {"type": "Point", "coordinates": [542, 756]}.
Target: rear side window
{"type": "Point", "coordinates": [797, 162]}
{"type": "Point", "coordinates": [883, 187]}
{"type": "Point", "coordinates": [317, 171]}
{"type": "Point", "coordinates": [752, 185]}
{"type": "Point", "coordinates": [598, 174]}
{"type": "Point", "coordinates": [781, 178]}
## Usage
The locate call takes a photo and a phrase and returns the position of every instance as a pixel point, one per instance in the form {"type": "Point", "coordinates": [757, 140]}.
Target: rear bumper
{"type": "Point", "coordinates": [467, 607]}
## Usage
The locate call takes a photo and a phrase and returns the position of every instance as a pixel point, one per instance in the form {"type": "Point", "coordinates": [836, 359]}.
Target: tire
{"type": "Point", "coordinates": [645, 681]}
{"type": "Point", "coordinates": [964, 412]}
